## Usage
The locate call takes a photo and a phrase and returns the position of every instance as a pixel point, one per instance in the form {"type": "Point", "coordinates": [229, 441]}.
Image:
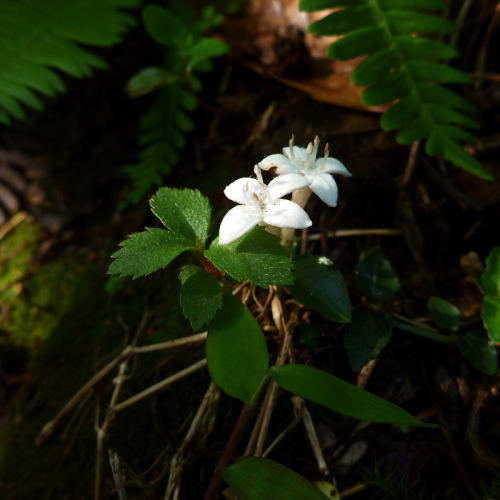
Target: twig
{"type": "Point", "coordinates": [114, 461]}
{"type": "Point", "coordinates": [354, 232]}
{"type": "Point", "coordinates": [352, 490]}
{"type": "Point", "coordinates": [159, 386]}
{"type": "Point", "coordinates": [311, 434]}
{"type": "Point", "coordinates": [12, 223]}
{"type": "Point", "coordinates": [206, 408]}
{"type": "Point", "coordinates": [459, 21]}
{"type": "Point", "coordinates": [129, 351]}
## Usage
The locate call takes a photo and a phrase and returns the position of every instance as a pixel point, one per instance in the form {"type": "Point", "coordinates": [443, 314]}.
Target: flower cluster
{"type": "Point", "coordinates": [298, 171]}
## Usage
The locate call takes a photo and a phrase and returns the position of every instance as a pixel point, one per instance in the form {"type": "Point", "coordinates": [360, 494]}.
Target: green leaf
{"type": "Point", "coordinates": [343, 21]}
{"type": "Point", "coordinates": [366, 336]}
{"type": "Point", "coordinates": [439, 143]}
{"type": "Point", "coordinates": [205, 49]}
{"type": "Point", "coordinates": [490, 279]}
{"type": "Point", "coordinates": [310, 5]}
{"type": "Point", "coordinates": [320, 285]}
{"type": "Point", "coordinates": [480, 351]}
{"type": "Point", "coordinates": [146, 252]}
{"type": "Point", "coordinates": [376, 276]}
{"type": "Point", "coordinates": [183, 211]}
{"type": "Point", "coordinates": [257, 256]}
{"type": "Point", "coordinates": [412, 4]}
{"type": "Point", "coordinates": [402, 22]}
{"type": "Point", "coordinates": [491, 317]}
{"type": "Point", "coordinates": [254, 478]}
{"type": "Point", "coordinates": [423, 48]}
{"type": "Point", "coordinates": [236, 350]}
{"type": "Point", "coordinates": [441, 95]}
{"type": "Point", "coordinates": [358, 43]}
{"type": "Point", "coordinates": [201, 297]}
{"type": "Point", "coordinates": [148, 80]}
{"type": "Point", "coordinates": [444, 314]}
{"type": "Point", "coordinates": [399, 114]}
{"type": "Point", "coordinates": [340, 396]}
{"type": "Point", "coordinates": [394, 86]}
{"type": "Point", "coordinates": [375, 67]}
{"type": "Point", "coordinates": [164, 27]}
{"type": "Point", "coordinates": [427, 71]}
{"type": "Point", "coordinates": [416, 130]}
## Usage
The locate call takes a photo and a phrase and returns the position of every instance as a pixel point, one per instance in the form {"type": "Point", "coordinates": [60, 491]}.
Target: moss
{"type": "Point", "coordinates": [17, 250]}
{"type": "Point", "coordinates": [71, 327]}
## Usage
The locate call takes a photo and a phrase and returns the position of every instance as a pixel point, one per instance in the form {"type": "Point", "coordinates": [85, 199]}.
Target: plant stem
{"type": "Point", "coordinates": [301, 197]}
{"type": "Point", "coordinates": [234, 439]}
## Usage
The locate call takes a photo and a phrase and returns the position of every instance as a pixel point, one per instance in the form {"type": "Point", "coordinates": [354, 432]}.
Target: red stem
{"type": "Point", "coordinates": [234, 439]}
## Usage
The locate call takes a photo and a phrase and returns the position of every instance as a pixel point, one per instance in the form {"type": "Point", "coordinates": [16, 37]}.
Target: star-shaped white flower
{"type": "Point", "coordinates": [261, 204]}
{"type": "Point", "coordinates": [303, 161]}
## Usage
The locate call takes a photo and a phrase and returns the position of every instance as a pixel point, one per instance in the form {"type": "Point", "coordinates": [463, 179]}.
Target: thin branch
{"type": "Point", "coordinates": [159, 386]}
{"type": "Point", "coordinates": [355, 232]}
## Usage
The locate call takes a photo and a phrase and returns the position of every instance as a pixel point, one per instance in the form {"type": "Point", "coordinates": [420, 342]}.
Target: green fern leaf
{"type": "Point", "coordinates": [402, 67]}
{"type": "Point", "coordinates": [38, 37]}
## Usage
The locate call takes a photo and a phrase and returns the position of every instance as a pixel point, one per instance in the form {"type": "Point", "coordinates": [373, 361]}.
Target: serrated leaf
{"type": "Point", "coordinates": [344, 21]}
{"type": "Point", "coordinates": [402, 22]}
{"type": "Point", "coordinates": [201, 297]}
{"type": "Point", "coordinates": [321, 286]}
{"type": "Point", "coordinates": [491, 317]}
{"type": "Point", "coordinates": [205, 49]}
{"type": "Point", "coordinates": [480, 351]}
{"type": "Point", "coordinates": [366, 336]}
{"type": "Point", "coordinates": [340, 396]}
{"type": "Point", "coordinates": [357, 43]}
{"type": "Point", "coordinates": [254, 478]}
{"type": "Point", "coordinates": [444, 314]}
{"type": "Point", "coordinates": [187, 272]}
{"type": "Point", "coordinates": [257, 256]}
{"type": "Point", "coordinates": [490, 279]}
{"type": "Point", "coordinates": [164, 27]}
{"type": "Point", "coordinates": [146, 252]}
{"type": "Point", "coordinates": [236, 350]}
{"type": "Point", "coordinates": [375, 67]}
{"type": "Point", "coordinates": [148, 80]}
{"type": "Point", "coordinates": [375, 275]}
{"type": "Point", "coordinates": [183, 211]}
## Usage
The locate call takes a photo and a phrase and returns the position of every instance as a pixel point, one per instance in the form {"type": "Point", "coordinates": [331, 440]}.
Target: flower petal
{"type": "Point", "coordinates": [286, 213]}
{"type": "Point", "coordinates": [285, 184]}
{"type": "Point", "coordinates": [282, 163]}
{"type": "Point", "coordinates": [298, 153]}
{"type": "Point", "coordinates": [332, 166]}
{"type": "Point", "coordinates": [238, 221]}
{"type": "Point", "coordinates": [325, 187]}
{"type": "Point", "coordinates": [235, 190]}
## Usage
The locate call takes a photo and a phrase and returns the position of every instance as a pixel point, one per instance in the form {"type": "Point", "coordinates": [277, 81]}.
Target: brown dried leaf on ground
{"type": "Point", "coordinates": [271, 37]}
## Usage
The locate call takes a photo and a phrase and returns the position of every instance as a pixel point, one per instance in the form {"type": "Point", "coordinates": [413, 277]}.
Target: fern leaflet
{"type": "Point", "coordinates": [401, 66]}
{"type": "Point", "coordinates": [38, 37]}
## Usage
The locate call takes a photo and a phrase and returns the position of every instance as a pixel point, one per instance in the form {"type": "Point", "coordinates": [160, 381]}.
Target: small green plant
{"type": "Point", "coordinates": [187, 52]}
{"type": "Point", "coordinates": [252, 246]}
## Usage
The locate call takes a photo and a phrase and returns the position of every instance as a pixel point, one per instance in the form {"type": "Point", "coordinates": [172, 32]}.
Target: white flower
{"type": "Point", "coordinates": [261, 204]}
{"type": "Point", "coordinates": [303, 161]}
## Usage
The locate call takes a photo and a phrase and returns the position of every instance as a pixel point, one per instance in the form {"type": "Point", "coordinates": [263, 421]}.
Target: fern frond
{"type": "Point", "coordinates": [38, 37]}
{"type": "Point", "coordinates": [402, 67]}
{"type": "Point", "coordinates": [162, 136]}
{"type": "Point", "coordinates": [187, 52]}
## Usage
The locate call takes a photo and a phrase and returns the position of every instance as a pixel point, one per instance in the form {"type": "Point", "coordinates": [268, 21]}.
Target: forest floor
{"type": "Point", "coordinates": [63, 318]}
